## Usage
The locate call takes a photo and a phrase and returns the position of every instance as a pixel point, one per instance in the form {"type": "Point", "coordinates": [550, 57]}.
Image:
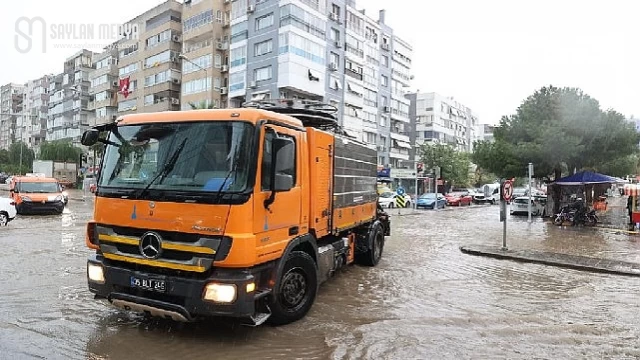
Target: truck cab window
{"type": "Point", "coordinates": [265, 180]}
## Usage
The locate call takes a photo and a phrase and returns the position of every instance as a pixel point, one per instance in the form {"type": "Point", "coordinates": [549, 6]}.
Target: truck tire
{"type": "Point", "coordinates": [296, 289]}
{"type": "Point", "coordinates": [376, 245]}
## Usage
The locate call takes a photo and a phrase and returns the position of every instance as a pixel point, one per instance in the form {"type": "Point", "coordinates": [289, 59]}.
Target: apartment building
{"type": "Point", "coordinates": [328, 51]}
{"type": "Point", "coordinates": [11, 107]}
{"type": "Point", "coordinates": [103, 92]}
{"type": "Point", "coordinates": [484, 132]}
{"type": "Point", "coordinates": [149, 73]}
{"type": "Point", "coordinates": [205, 53]}
{"type": "Point", "coordinates": [33, 124]}
{"type": "Point", "coordinates": [68, 113]}
{"type": "Point", "coordinates": [442, 120]}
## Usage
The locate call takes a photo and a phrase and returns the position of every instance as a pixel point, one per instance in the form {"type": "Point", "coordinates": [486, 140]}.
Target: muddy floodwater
{"type": "Point", "coordinates": [425, 300]}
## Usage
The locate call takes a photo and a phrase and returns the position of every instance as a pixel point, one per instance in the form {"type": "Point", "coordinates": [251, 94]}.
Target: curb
{"type": "Point", "coordinates": [575, 262]}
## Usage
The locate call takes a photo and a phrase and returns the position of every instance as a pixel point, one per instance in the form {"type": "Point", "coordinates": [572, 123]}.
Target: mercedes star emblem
{"type": "Point", "coordinates": [151, 245]}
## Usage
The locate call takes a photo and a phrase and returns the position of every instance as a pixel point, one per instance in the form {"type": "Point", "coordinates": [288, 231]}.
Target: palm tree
{"type": "Point", "coordinates": [202, 105]}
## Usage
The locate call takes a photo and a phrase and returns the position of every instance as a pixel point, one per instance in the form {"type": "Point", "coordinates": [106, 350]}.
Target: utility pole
{"type": "Point", "coordinates": [530, 191]}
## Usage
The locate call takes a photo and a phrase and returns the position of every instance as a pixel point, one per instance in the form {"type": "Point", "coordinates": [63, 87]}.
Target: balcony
{"type": "Point", "coordinates": [92, 105]}
{"type": "Point", "coordinates": [166, 104]}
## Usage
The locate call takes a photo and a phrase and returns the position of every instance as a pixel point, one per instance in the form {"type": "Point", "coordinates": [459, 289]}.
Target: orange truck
{"type": "Point", "coordinates": [239, 213]}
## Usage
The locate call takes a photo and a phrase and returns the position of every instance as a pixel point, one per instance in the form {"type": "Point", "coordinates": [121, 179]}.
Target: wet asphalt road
{"type": "Point", "coordinates": [425, 300]}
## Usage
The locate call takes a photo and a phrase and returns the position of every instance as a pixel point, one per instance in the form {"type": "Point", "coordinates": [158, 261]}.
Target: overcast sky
{"type": "Point", "coordinates": [489, 55]}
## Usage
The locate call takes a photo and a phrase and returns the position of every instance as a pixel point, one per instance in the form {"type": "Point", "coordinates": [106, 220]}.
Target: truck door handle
{"type": "Point", "coordinates": [293, 230]}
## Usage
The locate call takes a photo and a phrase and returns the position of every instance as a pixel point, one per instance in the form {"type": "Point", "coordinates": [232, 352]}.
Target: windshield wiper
{"type": "Point", "coordinates": [168, 167]}
{"type": "Point", "coordinates": [234, 168]}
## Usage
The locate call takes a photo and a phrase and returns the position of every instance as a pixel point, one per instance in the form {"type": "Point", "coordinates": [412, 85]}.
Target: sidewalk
{"type": "Point", "coordinates": [575, 262]}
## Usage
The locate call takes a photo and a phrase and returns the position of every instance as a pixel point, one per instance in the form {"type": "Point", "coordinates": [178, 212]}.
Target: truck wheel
{"type": "Point", "coordinates": [296, 289]}
{"type": "Point", "coordinates": [374, 253]}
{"type": "Point", "coordinates": [4, 219]}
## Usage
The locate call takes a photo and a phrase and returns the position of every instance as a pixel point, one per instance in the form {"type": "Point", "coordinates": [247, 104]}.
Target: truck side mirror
{"type": "Point", "coordinates": [90, 137]}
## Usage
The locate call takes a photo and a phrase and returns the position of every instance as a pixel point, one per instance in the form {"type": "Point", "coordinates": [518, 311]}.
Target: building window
{"type": "Point", "coordinates": [262, 74]}
{"type": "Point", "coordinates": [335, 9]}
{"type": "Point", "coordinates": [293, 15]}
{"type": "Point", "coordinates": [239, 8]}
{"type": "Point", "coordinates": [127, 104]}
{"type": "Point", "coordinates": [334, 83]}
{"type": "Point", "coordinates": [263, 47]}
{"type": "Point", "coordinates": [384, 80]}
{"type": "Point", "coordinates": [385, 60]}
{"type": "Point", "coordinates": [159, 38]}
{"type": "Point", "coordinates": [237, 81]}
{"type": "Point", "coordinates": [201, 62]}
{"type": "Point", "coordinates": [239, 32]}
{"type": "Point", "coordinates": [128, 69]}
{"type": "Point", "coordinates": [198, 20]}
{"type": "Point", "coordinates": [334, 58]}
{"type": "Point", "coordinates": [196, 86]}
{"type": "Point", "coordinates": [370, 98]}
{"type": "Point", "coordinates": [335, 34]}
{"type": "Point", "coordinates": [384, 121]}
{"type": "Point", "coordinates": [238, 56]}
{"type": "Point", "coordinates": [369, 137]}
{"type": "Point", "coordinates": [217, 61]}
{"type": "Point", "coordinates": [264, 22]}
{"type": "Point", "coordinates": [160, 58]}
{"type": "Point", "coordinates": [293, 43]}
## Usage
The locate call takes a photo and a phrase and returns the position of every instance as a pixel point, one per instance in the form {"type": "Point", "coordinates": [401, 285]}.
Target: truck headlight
{"type": "Point", "coordinates": [25, 198]}
{"type": "Point", "coordinates": [220, 293]}
{"type": "Point", "coordinates": [95, 273]}
{"type": "Point", "coordinates": [59, 198]}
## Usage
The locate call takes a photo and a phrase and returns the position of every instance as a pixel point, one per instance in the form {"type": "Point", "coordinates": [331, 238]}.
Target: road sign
{"type": "Point", "coordinates": [507, 190]}
{"type": "Point", "coordinates": [400, 201]}
{"type": "Point", "coordinates": [400, 190]}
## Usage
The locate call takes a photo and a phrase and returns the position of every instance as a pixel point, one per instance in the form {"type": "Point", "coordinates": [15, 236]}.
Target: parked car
{"type": "Point", "coordinates": [428, 201]}
{"type": "Point", "coordinates": [388, 200]}
{"type": "Point", "coordinates": [7, 210]}
{"type": "Point", "coordinates": [458, 198]}
{"type": "Point", "coordinates": [520, 205]}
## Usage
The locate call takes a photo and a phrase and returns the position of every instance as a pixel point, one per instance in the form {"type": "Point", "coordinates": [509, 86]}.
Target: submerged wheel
{"type": "Point", "coordinates": [376, 245]}
{"type": "Point", "coordinates": [4, 219]}
{"type": "Point", "coordinates": [296, 289]}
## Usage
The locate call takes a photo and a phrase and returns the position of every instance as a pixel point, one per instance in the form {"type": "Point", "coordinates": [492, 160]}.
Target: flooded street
{"type": "Point", "coordinates": [425, 299]}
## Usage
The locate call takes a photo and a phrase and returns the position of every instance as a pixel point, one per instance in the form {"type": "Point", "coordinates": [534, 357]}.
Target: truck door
{"type": "Point", "coordinates": [281, 221]}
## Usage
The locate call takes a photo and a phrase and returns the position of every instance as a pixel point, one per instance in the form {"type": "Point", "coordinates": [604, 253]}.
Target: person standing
{"type": "Point", "coordinates": [630, 208]}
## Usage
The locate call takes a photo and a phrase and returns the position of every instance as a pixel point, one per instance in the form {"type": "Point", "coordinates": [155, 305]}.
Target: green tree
{"type": "Point", "coordinates": [454, 165]}
{"type": "Point", "coordinates": [202, 105]}
{"type": "Point", "coordinates": [559, 130]}
{"type": "Point", "coordinates": [14, 155]}
{"type": "Point", "coordinates": [59, 151]}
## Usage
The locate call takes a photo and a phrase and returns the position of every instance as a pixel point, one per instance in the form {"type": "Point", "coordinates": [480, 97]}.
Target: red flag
{"type": "Point", "coordinates": [124, 87]}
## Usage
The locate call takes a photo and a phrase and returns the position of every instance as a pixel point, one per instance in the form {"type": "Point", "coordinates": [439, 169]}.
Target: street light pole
{"type": "Point", "coordinates": [206, 72]}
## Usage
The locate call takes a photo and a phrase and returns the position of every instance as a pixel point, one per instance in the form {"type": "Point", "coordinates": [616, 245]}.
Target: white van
{"type": "Point", "coordinates": [489, 193]}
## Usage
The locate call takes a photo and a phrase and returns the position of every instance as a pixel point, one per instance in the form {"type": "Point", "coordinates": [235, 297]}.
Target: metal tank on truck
{"type": "Point", "coordinates": [237, 213]}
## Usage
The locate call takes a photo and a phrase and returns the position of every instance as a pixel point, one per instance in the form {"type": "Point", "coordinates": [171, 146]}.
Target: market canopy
{"type": "Point", "coordinates": [587, 177]}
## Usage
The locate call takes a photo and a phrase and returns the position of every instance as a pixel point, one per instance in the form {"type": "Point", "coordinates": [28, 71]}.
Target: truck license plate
{"type": "Point", "coordinates": [149, 284]}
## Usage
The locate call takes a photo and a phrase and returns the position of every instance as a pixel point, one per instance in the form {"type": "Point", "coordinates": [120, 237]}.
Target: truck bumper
{"type": "Point", "coordinates": [182, 299]}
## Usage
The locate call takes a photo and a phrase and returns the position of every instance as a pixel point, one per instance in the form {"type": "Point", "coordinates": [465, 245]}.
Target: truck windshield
{"type": "Point", "coordinates": [37, 187]}
{"type": "Point", "coordinates": [209, 151]}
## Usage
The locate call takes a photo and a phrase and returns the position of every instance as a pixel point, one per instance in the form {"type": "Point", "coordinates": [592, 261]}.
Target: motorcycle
{"type": "Point", "coordinates": [565, 214]}
{"type": "Point", "coordinates": [591, 218]}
